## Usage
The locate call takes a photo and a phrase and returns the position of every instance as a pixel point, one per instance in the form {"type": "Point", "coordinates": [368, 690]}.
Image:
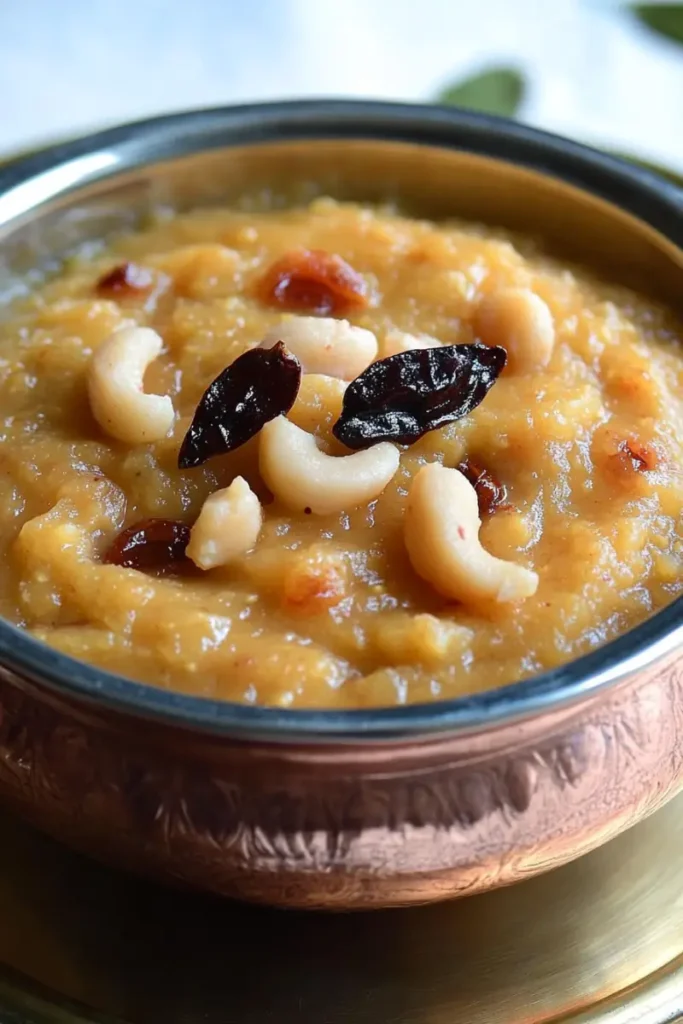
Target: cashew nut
{"type": "Point", "coordinates": [396, 341]}
{"type": "Point", "coordinates": [115, 379]}
{"type": "Point", "coordinates": [441, 531]}
{"type": "Point", "coordinates": [521, 322]}
{"type": "Point", "coordinates": [324, 345]}
{"type": "Point", "coordinates": [227, 526]}
{"type": "Point", "coordinates": [302, 476]}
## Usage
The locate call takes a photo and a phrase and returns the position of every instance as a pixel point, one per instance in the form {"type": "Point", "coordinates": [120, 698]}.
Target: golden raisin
{"type": "Point", "coordinates": [491, 493]}
{"type": "Point", "coordinates": [311, 589]}
{"type": "Point", "coordinates": [125, 279]}
{"type": "Point", "coordinates": [313, 281]}
{"type": "Point", "coordinates": [640, 456]}
{"type": "Point", "coordinates": [626, 459]}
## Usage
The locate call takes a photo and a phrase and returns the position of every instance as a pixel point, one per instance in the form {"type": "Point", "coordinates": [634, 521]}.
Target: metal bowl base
{"type": "Point", "coordinates": [600, 939]}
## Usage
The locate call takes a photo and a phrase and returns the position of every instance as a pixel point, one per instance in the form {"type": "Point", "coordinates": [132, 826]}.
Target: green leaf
{"type": "Point", "coordinates": [665, 19]}
{"type": "Point", "coordinates": [9, 158]}
{"type": "Point", "coordinates": [493, 91]}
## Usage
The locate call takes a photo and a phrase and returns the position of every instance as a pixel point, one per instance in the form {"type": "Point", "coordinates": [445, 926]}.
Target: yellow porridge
{"type": "Point", "coordinates": [212, 480]}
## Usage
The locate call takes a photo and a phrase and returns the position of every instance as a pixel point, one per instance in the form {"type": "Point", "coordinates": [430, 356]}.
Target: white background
{"type": "Point", "coordinates": [68, 66]}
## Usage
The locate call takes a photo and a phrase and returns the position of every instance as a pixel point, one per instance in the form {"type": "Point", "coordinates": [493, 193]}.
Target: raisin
{"type": "Point", "coordinates": [151, 544]}
{"type": "Point", "coordinates": [406, 395]}
{"type": "Point", "coordinates": [314, 281]}
{"type": "Point", "coordinates": [638, 455]}
{"type": "Point", "coordinates": [312, 589]}
{"type": "Point", "coordinates": [491, 493]}
{"type": "Point", "coordinates": [126, 279]}
{"type": "Point", "coordinates": [260, 385]}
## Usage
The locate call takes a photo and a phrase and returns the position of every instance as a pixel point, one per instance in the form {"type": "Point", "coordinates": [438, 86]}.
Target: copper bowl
{"type": "Point", "coordinates": [359, 808]}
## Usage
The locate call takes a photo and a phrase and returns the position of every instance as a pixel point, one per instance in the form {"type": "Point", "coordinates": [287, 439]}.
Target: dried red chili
{"type": "Point", "coordinates": [313, 281]}
{"type": "Point", "coordinates": [151, 544]}
{"type": "Point", "coordinates": [126, 279]}
{"type": "Point", "coordinates": [491, 493]}
{"type": "Point", "coordinates": [261, 384]}
{"type": "Point", "coordinates": [403, 397]}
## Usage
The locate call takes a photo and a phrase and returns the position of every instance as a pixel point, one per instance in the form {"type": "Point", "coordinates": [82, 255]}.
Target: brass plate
{"type": "Point", "coordinates": [598, 940]}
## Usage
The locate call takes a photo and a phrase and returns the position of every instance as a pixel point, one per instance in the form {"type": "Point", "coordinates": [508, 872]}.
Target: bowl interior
{"type": "Point", "coordinates": [53, 214]}
{"type": "Point", "coordinates": [624, 222]}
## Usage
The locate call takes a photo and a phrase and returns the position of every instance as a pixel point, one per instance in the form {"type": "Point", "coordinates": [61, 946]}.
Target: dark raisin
{"type": "Point", "coordinates": [313, 281]}
{"type": "Point", "coordinates": [151, 544]}
{"type": "Point", "coordinates": [126, 279]}
{"type": "Point", "coordinates": [260, 385]}
{"type": "Point", "coordinates": [491, 493]}
{"type": "Point", "coordinates": [403, 397]}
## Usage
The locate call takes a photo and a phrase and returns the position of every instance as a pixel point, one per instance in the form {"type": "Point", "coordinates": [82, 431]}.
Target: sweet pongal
{"type": "Point", "coordinates": [335, 457]}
